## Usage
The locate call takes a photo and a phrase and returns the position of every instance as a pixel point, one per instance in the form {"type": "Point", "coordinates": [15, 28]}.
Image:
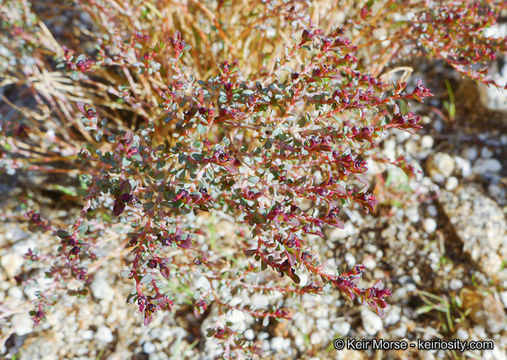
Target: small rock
{"type": "Point", "coordinates": [497, 193]}
{"type": "Point", "coordinates": [427, 142]}
{"type": "Point", "coordinates": [265, 346]}
{"type": "Point", "coordinates": [11, 263]}
{"type": "Point", "coordinates": [372, 323]}
{"type": "Point", "coordinates": [393, 316]}
{"type": "Point", "coordinates": [370, 263]}
{"type": "Point", "coordinates": [341, 327]}
{"type": "Point", "coordinates": [482, 166]}
{"type": "Point", "coordinates": [104, 334]}
{"type": "Point", "coordinates": [438, 178]}
{"type": "Point", "coordinates": [87, 334]}
{"type": "Point", "coordinates": [100, 287]}
{"type": "Point", "coordinates": [503, 296]}
{"type": "Point", "coordinates": [348, 230]}
{"type": "Point", "coordinates": [440, 164]}
{"type": "Point", "coordinates": [438, 125]}
{"type": "Point", "coordinates": [455, 284]}
{"type": "Point", "coordinates": [260, 301]}
{"type": "Point", "coordinates": [486, 153]}
{"type": "Point", "coordinates": [479, 332]}
{"type": "Point", "coordinates": [400, 332]}
{"type": "Point", "coordinates": [480, 224]}
{"type": "Point", "coordinates": [300, 341]}
{"type": "Point", "coordinates": [350, 259]}
{"type": "Point", "coordinates": [462, 334]}
{"type": "Point", "coordinates": [432, 211]}
{"type": "Point", "coordinates": [249, 334]}
{"type": "Point", "coordinates": [412, 214]}
{"type": "Point", "coordinates": [22, 324]}
{"type": "Point", "coordinates": [451, 183]}
{"type": "Point", "coordinates": [411, 147]}
{"type": "Point", "coordinates": [202, 283]}
{"type": "Point", "coordinates": [323, 323]}
{"type": "Point", "coordinates": [464, 166]}
{"type": "Point", "coordinates": [470, 153]}
{"type": "Point", "coordinates": [148, 347]}
{"type": "Point", "coordinates": [15, 293]}
{"type": "Point", "coordinates": [279, 343]}
{"type": "Point", "coordinates": [318, 337]}
{"type": "Point", "coordinates": [400, 294]}
{"type": "Point", "coordinates": [494, 315]}
{"type": "Point", "coordinates": [429, 225]}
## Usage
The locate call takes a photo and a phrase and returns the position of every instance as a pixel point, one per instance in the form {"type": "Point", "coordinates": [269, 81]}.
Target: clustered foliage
{"type": "Point", "coordinates": [173, 112]}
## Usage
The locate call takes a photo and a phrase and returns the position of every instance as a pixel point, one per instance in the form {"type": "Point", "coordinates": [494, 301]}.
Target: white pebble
{"type": "Point", "coordinates": [482, 166]}
{"type": "Point", "coordinates": [11, 263]}
{"type": "Point", "coordinates": [87, 334]}
{"type": "Point", "coordinates": [400, 332]}
{"type": "Point", "coordinates": [486, 153]}
{"type": "Point", "coordinates": [341, 327]}
{"type": "Point", "coordinates": [279, 343]}
{"type": "Point", "coordinates": [323, 323]}
{"type": "Point", "coordinates": [350, 259]}
{"type": "Point", "coordinates": [15, 293]}
{"type": "Point", "coordinates": [503, 296]}
{"type": "Point", "coordinates": [496, 191]}
{"type": "Point", "coordinates": [451, 183]}
{"type": "Point", "coordinates": [432, 211]}
{"type": "Point", "coordinates": [462, 334]}
{"type": "Point", "coordinates": [464, 166]}
{"type": "Point", "coordinates": [104, 334]}
{"type": "Point", "coordinates": [148, 347]}
{"type": "Point", "coordinates": [470, 153]}
{"type": "Point", "coordinates": [455, 284]}
{"type": "Point", "coordinates": [249, 334]}
{"type": "Point", "coordinates": [372, 323]}
{"type": "Point", "coordinates": [370, 263]}
{"type": "Point", "coordinates": [393, 316]}
{"type": "Point", "coordinates": [22, 324]}
{"type": "Point", "coordinates": [440, 164]}
{"type": "Point", "coordinates": [429, 225]}
{"type": "Point", "coordinates": [101, 288]}
{"type": "Point", "coordinates": [412, 214]}
{"type": "Point", "coordinates": [427, 142]}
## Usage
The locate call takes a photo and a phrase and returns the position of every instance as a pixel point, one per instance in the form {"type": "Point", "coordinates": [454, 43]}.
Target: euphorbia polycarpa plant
{"type": "Point", "coordinates": [257, 150]}
{"type": "Point", "coordinates": [281, 150]}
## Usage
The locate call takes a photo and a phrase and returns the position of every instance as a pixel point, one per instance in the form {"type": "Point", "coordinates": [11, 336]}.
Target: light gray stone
{"type": "Point", "coordinates": [393, 316]}
{"type": "Point", "coordinates": [342, 327]}
{"type": "Point", "coordinates": [427, 142]}
{"type": "Point", "coordinates": [11, 263]}
{"type": "Point", "coordinates": [480, 224]}
{"type": "Point", "coordinates": [464, 166]}
{"type": "Point", "coordinates": [148, 347]}
{"type": "Point", "coordinates": [101, 288]}
{"type": "Point", "coordinates": [22, 324]}
{"type": "Point", "coordinates": [451, 183]}
{"type": "Point", "coordinates": [104, 334]}
{"type": "Point", "coordinates": [429, 225]}
{"type": "Point", "coordinates": [440, 164]}
{"type": "Point", "coordinates": [482, 166]}
{"type": "Point", "coordinates": [372, 323]}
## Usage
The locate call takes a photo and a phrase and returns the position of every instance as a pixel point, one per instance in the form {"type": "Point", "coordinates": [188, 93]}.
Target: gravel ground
{"type": "Point", "coordinates": [440, 237]}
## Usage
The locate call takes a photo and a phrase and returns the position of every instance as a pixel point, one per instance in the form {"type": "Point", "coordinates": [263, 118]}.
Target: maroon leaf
{"type": "Point", "coordinates": [119, 206]}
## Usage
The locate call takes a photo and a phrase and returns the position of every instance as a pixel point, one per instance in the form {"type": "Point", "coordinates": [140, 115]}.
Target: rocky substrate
{"type": "Point", "coordinates": [439, 237]}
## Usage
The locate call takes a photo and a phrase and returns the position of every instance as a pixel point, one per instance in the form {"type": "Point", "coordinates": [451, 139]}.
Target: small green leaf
{"type": "Point", "coordinates": [62, 234]}
{"type": "Point", "coordinates": [201, 129]}
{"type": "Point", "coordinates": [253, 180]}
{"type": "Point", "coordinates": [83, 228]}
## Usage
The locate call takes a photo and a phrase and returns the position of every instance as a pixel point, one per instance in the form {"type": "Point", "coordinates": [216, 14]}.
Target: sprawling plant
{"type": "Point", "coordinates": [174, 113]}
